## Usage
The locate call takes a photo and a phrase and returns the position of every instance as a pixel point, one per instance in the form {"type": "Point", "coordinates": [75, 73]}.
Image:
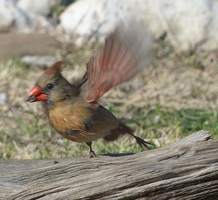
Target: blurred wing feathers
{"type": "Point", "coordinates": [126, 51]}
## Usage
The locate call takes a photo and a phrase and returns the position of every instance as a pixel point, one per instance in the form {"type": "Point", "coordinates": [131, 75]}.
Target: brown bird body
{"type": "Point", "coordinates": [73, 111]}
{"type": "Point", "coordinates": [82, 121]}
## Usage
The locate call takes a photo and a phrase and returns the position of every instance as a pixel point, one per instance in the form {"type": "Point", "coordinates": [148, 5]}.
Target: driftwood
{"type": "Point", "coordinates": [187, 169]}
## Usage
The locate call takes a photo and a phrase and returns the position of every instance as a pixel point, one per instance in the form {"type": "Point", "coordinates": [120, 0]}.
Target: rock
{"type": "Point", "coordinates": [13, 18]}
{"type": "Point", "coordinates": [87, 18]}
{"type": "Point", "coordinates": [45, 61]}
{"type": "Point", "coordinates": [189, 24]}
{"type": "Point", "coordinates": [3, 99]}
{"type": "Point", "coordinates": [8, 13]}
{"type": "Point", "coordinates": [6, 18]}
{"type": "Point", "coordinates": [39, 7]}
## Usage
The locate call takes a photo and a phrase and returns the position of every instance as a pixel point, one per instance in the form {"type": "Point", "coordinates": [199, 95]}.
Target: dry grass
{"type": "Point", "coordinates": [151, 103]}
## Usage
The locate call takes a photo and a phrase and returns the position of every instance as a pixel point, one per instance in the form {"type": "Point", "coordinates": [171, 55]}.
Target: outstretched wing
{"type": "Point", "coordinates": [127, 50]}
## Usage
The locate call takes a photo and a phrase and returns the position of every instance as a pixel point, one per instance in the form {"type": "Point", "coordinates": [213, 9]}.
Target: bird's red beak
{"type": "Point", "coordinates": [36, 94]}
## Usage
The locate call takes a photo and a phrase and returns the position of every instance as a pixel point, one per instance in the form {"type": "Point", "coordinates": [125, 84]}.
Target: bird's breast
{"type": "Point", "coordinates": [69, 121]}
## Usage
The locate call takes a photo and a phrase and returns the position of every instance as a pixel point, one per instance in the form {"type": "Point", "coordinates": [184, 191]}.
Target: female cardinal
{"type": "Point", "coordinates": [73, 111]}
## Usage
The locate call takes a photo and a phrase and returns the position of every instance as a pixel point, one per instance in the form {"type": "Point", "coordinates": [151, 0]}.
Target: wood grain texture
{"type": "Point", "coordinates": [187, 169]}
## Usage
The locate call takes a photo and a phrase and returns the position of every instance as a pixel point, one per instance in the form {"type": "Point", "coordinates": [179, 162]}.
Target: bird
{"type": "Point", "coordinates": [74, 110]}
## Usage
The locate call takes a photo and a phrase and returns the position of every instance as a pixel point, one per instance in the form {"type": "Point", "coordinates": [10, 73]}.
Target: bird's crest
{"type": "Point", "coordinates": [56, 67]}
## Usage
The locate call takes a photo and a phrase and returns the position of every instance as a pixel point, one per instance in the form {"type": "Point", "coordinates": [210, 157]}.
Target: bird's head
{"type": "Point", "coordinates": [51, 86]}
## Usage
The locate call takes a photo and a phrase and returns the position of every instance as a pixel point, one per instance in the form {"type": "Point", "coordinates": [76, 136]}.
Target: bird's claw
{"type": "Point", "coordinates": [142, 143]}
{"type": "Point", "coordinates": [92, 154]}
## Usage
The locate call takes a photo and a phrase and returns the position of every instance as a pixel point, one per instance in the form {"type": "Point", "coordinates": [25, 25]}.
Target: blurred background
{"type": "Point", "coordinates": [176, 95]}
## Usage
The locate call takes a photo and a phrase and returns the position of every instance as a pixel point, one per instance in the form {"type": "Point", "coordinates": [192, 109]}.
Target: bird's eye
{"type": "Point", "coordinates": [49, 86]}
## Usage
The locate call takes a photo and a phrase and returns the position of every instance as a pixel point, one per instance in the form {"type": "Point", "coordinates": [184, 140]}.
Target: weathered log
{"type": "Point", "coordinates": [187, 169]}
{"type": "Point", "coordinates": [15, 44]}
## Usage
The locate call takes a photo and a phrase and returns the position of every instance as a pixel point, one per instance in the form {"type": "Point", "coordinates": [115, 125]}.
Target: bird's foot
{"type": "Point", "coordinates": [142, 143]}
{"type": "Point", "coordinates": [92, 154]}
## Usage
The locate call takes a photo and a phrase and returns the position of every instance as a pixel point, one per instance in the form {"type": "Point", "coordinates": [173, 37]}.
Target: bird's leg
{"type": "Point", "coordinates": [91, 152]}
